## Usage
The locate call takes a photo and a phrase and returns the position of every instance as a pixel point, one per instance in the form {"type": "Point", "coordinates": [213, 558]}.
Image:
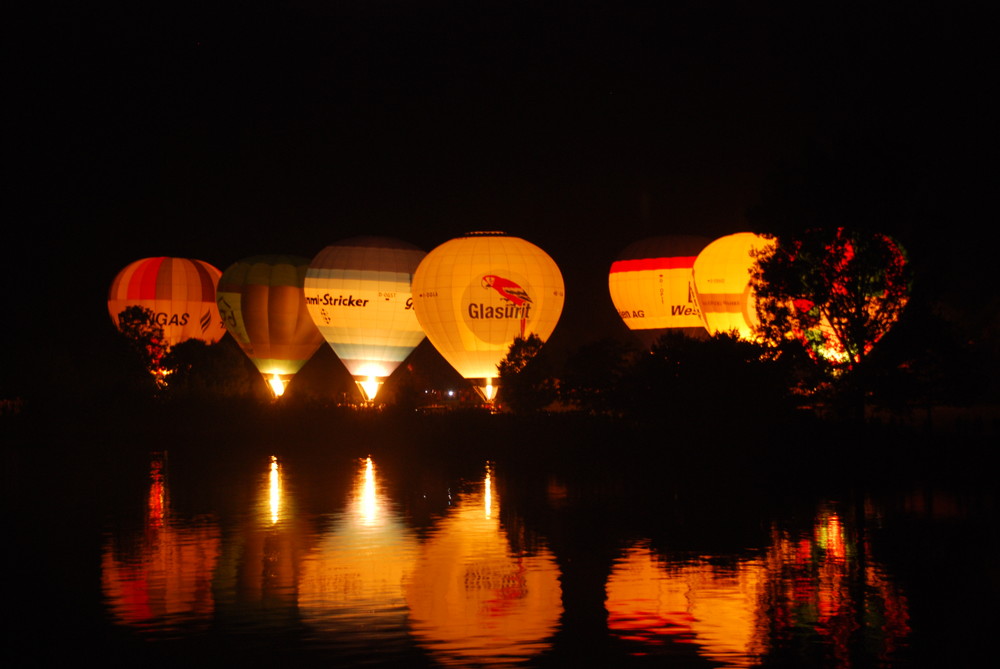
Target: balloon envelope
{"type": "Point", "coordinates": [179, 292]}
{"type": "Point", "coordinates": [722, 284]}
{"type": "Point", "coordinates": [652, 288]}
{"type": "Point", "coordinates": [474, 294]}
{"type": "Point", "coordinates": [358, 295]}
{"type": "Point", "coordinates": [262, 306]}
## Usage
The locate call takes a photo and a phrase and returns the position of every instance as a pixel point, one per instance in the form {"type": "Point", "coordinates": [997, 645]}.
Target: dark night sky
{"type": "Point", "coordinates": [221, 130]}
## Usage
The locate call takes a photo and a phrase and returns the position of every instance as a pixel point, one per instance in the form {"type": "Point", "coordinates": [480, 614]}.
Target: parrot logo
{"type": "Point", "coordinates": [507, 289]}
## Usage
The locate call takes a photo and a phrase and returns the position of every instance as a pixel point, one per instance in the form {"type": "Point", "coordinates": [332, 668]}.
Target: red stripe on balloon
{"type": "Point", "coordinates": [207, 282]}
{"type": "Point", "coordinates": [142, 284]}
{"type": "Point", "coordinates": [645, 264]}
{"type": "Point", "coordinates": [165, 279]}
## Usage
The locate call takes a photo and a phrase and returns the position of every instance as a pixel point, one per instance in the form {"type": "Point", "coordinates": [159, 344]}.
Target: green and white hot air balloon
{"type": "Point", "coordinates": [262, 306]}
{"type": "Point", "coordinates": [358, 294]}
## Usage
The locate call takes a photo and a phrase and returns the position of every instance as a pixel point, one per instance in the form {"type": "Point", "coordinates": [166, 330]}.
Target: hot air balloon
{"type": "Point", "coordinates": [358, 295]}
{"type": "Point", "coordinates": [722, 284]}
{"type": "Point", "coordinates": [180, 294]}
{"type": "Point", "coordinates": [474, 294]}
{"type": "Point", "coordinates": [652, 288]}
{"type": "Point", "coordinates": [262, 306]}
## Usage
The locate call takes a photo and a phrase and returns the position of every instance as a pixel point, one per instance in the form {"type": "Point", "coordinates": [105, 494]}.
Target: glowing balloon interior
{"type": "Point", "coordinates": [358, 295]}
{"type": "Point", "coordinates": [262, 306]}
{"type": "Point", "coordinates": [652, 288]}
{"type": "Point", "coordinates": [474, 294]}
{"type": "Point", "coordinates": [179, 292]}
{"type": "Point", "coordinates": [722, 284]}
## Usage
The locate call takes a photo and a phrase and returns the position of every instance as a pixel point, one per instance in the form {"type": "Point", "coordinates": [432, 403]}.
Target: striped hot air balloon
{"type": "Point", "coordinates": [262, 306]}
{"type": "Point", "coordinates": [179, 292]}
{"type": "Point", "coordinates": [475, 294]}
{"type": "Point", "coordinates": [358, 294]}
{"type": "Point", "coordinates": [722, 283]}
{"type": "Point", "coordinates": [652, 287]}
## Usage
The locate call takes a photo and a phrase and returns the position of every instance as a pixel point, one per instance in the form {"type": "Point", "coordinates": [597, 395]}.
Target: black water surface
{"type": "Point", "coordinates": [856, 547]}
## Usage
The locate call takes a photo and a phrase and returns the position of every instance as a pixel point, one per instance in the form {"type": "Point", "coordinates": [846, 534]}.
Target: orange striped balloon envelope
{"type": "Point", "coordinates": [179, 292]}
{"type": "Point", "coordinates": [722, 273]}
{"type": "Point", "coordinates": [262, 306]}
{"type": "Point", "coordinates": [652, 286]}
{"type": "Point", "coordinates": [475, 294]}
{"type": "Point", "coordinates": [358, 294]}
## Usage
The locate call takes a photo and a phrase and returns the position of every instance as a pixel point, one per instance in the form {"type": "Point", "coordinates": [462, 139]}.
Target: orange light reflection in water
{"type": "Point", "coordinates": [352, 579]}
{"type": "Point", "coordinates": [651, 602]}
{"type": "Point", "coordinates": [164, 579]}
{"type": "Point", "coordinates": [472, 600]}
{"type": "Point", "coordinates": [815, 591]}
{"type": "Point", "coordinates": [274, 490]}
{"type": "Point", "coordinates": [255, 583]}
{"type": "Point", "coordinates": [367, 497]}
{"type": "Point", "coordinates": [824, 585]}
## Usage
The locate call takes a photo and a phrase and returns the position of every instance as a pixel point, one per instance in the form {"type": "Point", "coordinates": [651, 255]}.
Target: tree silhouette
{"type": "Point", "coordinates": [926, 362]}
{"type": "Point", "coordinates": [525, 383]}
{"type": "Point", "coordinates": [692, 383]}
{"type": "Point", "coordinates": [202, 371]}
{"type": "Point", "coordinates": [593, 376]}
{"type": "Point", "coordinates": [144, 337]}
{"type": "Point", "coordinates": [836, 292]}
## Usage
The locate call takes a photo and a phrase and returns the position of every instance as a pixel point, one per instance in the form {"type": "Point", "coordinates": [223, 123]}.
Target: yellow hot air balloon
{"type": "Point", "coordinates": [722, 284]}
{"type": "Point", "coordinates": [262, 306]}
{"type": "Point", "coordinates": [358, 295]}
{"type": "Point", "coordinates": [180, 294]}
{"type": "Point", "coordinates": [474, 294]}
{"type": "Point", "coordinates": [652, 288]}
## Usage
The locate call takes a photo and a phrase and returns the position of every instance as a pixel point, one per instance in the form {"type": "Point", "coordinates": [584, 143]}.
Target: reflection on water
{"type": "Point", "coordinates": [472, 600]}
{"type": "Point", "coordinates": [359, 578]}
{"type": "Point", "coordinates": [159, 578]}
{"type": "Point", "coordinates": [826, 587]}
{"type": "Point", "coordinates": [274, 491]}
{"type": "Point", "coordinates": [819, 588]}
{"type": "Point", "coordinates": [254, 585]}
{"type": "Point", "coordinates": [716, 607]}
{"type": "Point", "coordinates": [351, 585]}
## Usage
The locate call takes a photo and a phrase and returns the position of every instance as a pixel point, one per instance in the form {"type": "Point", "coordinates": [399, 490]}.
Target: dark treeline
{"type": "Point", "coordinates": [922, 364]}
{"type": "Point", "coordinates": [715, 405]}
